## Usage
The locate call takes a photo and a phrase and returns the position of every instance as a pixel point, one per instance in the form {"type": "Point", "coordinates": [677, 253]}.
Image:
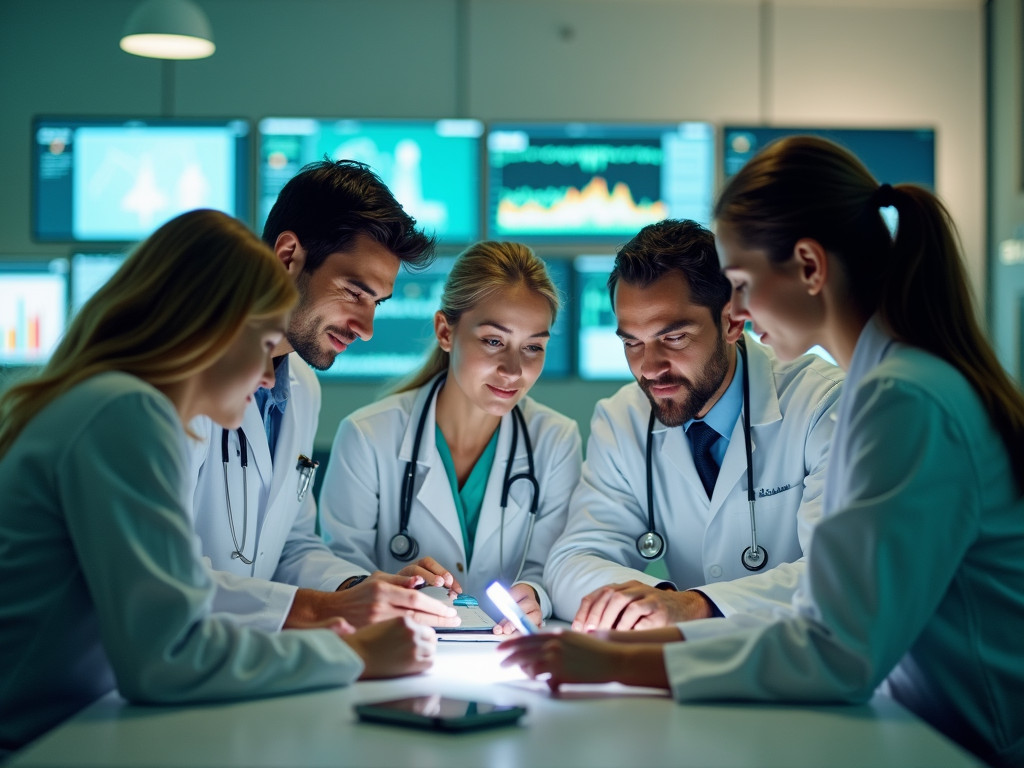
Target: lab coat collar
{"type": "Point", "coordinates": [764, 397]}
{"type": "Point", "coordinates": [428, 449]}
{"type": "Point", "coordinates": [256, 437]}
{"type": "Point", "coordinates": [675, 449]}
{"type": "Point", "coordinates": [734, 465]}
{"type": "Point", "coordinates": [873, 345]}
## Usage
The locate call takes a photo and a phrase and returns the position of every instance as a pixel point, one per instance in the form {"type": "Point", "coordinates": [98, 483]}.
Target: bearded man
{"type": "Point", "coordinates": [666, 473]}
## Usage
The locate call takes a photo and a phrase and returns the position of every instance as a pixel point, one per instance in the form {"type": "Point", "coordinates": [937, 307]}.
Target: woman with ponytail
{"type": "Point", "coordinates": [467, 419]}
{"type": "Point", "coordinates": [101, 583]}
{"type": "Point", "coordinates": [915, 577]}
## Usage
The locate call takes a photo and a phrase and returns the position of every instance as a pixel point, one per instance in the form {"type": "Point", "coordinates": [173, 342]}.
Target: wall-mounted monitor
{"type": "Point", "coordinates": [403, 328]}
{"type": "Point", "coordinates": [33, 310]}
{"type": "Point", "coordinates": [89, 273]}
{"type": "Point", "coordinates": [599, 352]}
{"type": "Point", "coordinates": [431, 166]}
{"type": "Point", "coordinates": [115, 180]}
{"type": "Point", "coordinates": [590, 182]}
{"type": "Point", "coordinates": [893, 156]}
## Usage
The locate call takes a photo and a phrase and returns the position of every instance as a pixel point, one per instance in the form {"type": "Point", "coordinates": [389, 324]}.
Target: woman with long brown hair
{"type": "Point", "coordinates": [101, 583]}
{"type": "Point", "coordinates": [467, 508]}
{"type": "Point", "coordinates": [915, 577]}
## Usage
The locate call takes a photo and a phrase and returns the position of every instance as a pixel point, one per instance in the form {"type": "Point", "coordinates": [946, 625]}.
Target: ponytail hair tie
{"type": "Point", "coordinates": [884, 196]}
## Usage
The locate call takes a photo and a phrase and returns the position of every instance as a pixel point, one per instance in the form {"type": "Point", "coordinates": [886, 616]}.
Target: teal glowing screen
{"type": "Point", "coordinates": [432, 167]}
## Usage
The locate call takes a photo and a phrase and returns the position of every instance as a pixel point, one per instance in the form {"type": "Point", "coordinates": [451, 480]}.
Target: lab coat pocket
{"type": "Point", "coordinates": [768, 498]}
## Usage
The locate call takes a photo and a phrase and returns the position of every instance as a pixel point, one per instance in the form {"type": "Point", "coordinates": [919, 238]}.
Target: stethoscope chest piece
{"type": "Point", "coordinates": [754, 560]}
{"type": "Point", "coordinates": [404, 547]}
{"type": "Point", "coordinates": [651, 546]}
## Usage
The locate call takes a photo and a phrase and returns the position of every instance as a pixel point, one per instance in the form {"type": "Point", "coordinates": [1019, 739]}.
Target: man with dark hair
{"type": "Point", "coordinates": [342, 237]}
{"type": "Point", "coordinates": [677, 437]}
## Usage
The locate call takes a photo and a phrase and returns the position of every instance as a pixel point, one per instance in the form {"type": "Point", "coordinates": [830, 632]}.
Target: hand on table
{"type": "Point", "coordinates": [635, 605]}
{"type": "Point", "coordinates": [572, 657]}
{"type": "Point", "coordinates": [372, 601]}
{"type": "Point", "coordinates": [431, 574]}
{"type": "Point", "coordinates": [529, 601]}
{"type": "Point", "coordinates": [393, 648]}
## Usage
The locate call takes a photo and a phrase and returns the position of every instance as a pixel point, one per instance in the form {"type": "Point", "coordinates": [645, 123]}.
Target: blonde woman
{"type": "Point", "coordinates": [459, 470]}
{"type": "Point", "coordinates": [101, 584]}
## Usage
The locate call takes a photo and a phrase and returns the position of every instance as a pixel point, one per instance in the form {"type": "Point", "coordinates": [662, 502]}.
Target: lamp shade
{"type": "Point", "coordinates": [168, 29]}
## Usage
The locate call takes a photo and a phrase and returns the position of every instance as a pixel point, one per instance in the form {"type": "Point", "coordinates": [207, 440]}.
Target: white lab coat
{"type": "Point", "coordinates": [101, 581]}
{"type": "Point", "coordinates": [360, 498]}
{"type": "Point", "coordinates": [281, 531]}
{"type": "Point", "coordinates": [791, 408]}
{"type": "Point", "coordinates": [915, 575]}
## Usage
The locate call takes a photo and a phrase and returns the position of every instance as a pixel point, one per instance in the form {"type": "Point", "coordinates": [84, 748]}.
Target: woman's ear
{"type": "Point", "coordinates": [443, 331]}
{"type": "Point", "coordinates": [812, 261]}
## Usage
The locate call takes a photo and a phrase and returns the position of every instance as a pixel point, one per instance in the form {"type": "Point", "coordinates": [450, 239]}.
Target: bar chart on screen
{"type": "Point", "coordinates": [33, 311]}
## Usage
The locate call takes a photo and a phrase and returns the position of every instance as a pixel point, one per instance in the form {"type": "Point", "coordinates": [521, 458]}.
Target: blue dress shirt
{"type": "Point", "coordinates": [272, 402]}
{"type": "Point", "coordinates": [724, 414]}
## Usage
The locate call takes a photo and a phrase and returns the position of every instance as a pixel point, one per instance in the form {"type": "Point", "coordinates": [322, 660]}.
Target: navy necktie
{"type": "Point", "coordinates": [702, 437]}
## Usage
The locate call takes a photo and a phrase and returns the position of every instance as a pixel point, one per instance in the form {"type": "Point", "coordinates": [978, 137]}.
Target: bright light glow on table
{"type": "Point", "coordinates": [472, 663]}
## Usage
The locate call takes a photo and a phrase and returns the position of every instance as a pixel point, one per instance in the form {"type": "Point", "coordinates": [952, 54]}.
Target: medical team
{"type": "Point", "coordinates": [824, 533]}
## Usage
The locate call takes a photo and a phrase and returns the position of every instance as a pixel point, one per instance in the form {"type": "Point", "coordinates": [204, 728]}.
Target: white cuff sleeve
{"type": "Point", "coordinates": [252, 602]}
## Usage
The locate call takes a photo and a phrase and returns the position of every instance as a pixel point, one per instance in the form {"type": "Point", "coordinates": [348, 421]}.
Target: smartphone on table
{"type": "Point", "coordinates": [439, 713]}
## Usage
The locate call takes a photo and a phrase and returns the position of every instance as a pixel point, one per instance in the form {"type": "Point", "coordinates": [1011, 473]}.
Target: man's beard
{"type": "Point", "coordinates": [698, 393]}
{"type": "Point", "coordinates": [306, 333]}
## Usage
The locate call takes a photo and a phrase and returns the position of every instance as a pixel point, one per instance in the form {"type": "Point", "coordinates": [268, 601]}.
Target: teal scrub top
{"type": "Point", "coordinates": [470, 499]}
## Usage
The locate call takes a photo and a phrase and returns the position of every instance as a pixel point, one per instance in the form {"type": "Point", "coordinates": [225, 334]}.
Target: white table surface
{"type": "Point", "coordinates": [588, 726]}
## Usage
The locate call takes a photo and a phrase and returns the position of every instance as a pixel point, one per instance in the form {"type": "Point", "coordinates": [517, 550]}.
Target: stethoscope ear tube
{"type": "Point", "coordinates": [517, 420]}
{"type": "Point", "coordinates": [243, 453]}
{"type": "Point", "coordinates": [650, 545]}
{"type": "Point", "coordinates": [403, 546]}
{"type": "Point", "coordinates": [754, 558]}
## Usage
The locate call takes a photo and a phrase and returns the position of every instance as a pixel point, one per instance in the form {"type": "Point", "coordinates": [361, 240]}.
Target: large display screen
{"type": "Point", "coordinates": [599, 352]}
{"type": "Point", "coordinates": [892, 156]}
{"type": "Point", "coordinates": [431, 166]}
{"type": "Point", "coordinates": [33, 310]}
{"type": "Point", "coordinates": [106, 180]}
{"type": "Point", "coordinates": [403, 327]}
{"type": "Point", "coordinates": [589, 182]}
{"type": "Point", "coordinates": [89, 273]}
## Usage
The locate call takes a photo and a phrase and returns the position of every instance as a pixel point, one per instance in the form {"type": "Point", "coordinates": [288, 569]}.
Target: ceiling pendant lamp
{"type": "Point", "coordinates": [168, 29]}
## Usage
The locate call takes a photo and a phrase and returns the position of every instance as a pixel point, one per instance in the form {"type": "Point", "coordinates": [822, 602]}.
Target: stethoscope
{"type": "Point", "coordinates": [405, 548]}
{"type": "Point", "coordinates": [307, 470]}
{"type": "Point", "coordinates": [651, 545]}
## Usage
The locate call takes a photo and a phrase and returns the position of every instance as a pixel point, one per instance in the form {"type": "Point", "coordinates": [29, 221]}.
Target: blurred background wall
{"type": "Point", "coordinates": [849, 63]}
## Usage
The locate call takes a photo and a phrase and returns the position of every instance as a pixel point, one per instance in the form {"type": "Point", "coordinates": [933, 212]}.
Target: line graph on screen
{"type": "Point", "coordinates": [594, 208]}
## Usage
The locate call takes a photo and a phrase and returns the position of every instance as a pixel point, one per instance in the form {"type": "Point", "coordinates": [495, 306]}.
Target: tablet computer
{"type": "Point", "coordinates": [474, 619]}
